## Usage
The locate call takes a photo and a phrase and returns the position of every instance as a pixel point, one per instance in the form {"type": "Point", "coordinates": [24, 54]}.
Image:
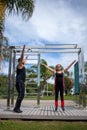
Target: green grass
{"type": "Point", "coordinates": [68, 97]}
{"type": "Point", "coordinates": [42, 125]}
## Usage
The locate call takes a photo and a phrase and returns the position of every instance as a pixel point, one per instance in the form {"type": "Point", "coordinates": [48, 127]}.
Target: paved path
{"type": "Point", "coordinates": [45, 111]}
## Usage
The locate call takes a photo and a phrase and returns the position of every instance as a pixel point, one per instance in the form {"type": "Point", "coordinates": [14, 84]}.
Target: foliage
{"type": "Point", "coordinates": [31, 80]}
{"type": "Point", "coordinates": [45, 73]}
{"type": "Point", "coordinates": [3, 41]}
{"type": "Point", "coordinates": [3, 85]}
{"type": "Point", "coordinates": [50, 87]}
{"type": "Point", "coordinates": [85, 66]}
{"type": "Point", "coordinates": [2, 14]}
{"type": "Point", "coordinates": [68, 83]}
{"type": "Point", "coordinates": [25, 7]}
{"type": "Point", "coordinates": [43, 70]}
{"type": "Point", "coordinates": [67, 73]}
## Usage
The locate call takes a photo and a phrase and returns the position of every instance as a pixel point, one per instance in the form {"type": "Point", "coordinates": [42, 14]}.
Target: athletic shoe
{"type": "Point", "coordinates": [17, 111]}
{"type": "Point", "coordinates": [63, 108]}
{"type": "Point", "coordinates": [56, 108]}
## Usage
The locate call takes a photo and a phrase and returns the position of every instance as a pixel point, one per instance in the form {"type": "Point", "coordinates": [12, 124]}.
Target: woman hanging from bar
{"type": "Point", "coordinates": [20, 80]}
{"type": "Point", "coordinates": [59, 82]}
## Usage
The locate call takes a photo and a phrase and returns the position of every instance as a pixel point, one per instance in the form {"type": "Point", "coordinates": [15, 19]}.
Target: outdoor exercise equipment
{"type": "Point", "coordinates": [15, 51]}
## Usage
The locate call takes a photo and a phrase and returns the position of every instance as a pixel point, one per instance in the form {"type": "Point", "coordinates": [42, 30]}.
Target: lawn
{"type": "Point", "coordinates": [41, 125]}
{"type": "Point", "coordinates": [68, 97]}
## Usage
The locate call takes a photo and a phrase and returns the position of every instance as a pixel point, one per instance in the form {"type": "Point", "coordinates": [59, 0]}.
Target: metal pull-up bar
{"type": "Point", "coordinates": [48, 48]}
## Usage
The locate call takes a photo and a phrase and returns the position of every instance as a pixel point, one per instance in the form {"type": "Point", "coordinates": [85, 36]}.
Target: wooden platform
{"type": "Point", "coordinates": [45, 111]}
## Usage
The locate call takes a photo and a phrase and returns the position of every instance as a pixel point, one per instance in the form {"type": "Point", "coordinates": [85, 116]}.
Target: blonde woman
{"type": "Point", "coordinates": [59, 82]}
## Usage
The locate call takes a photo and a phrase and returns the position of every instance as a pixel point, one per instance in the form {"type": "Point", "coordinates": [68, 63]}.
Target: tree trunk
{"type": "Point", "coordinates": [2, 15]}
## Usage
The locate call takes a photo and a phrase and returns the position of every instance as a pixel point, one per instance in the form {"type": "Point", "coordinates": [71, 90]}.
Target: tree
{"type": "Point", "coordinates": [3, 85]}
{"type": "Point", "coordinates": [25, 7]}
{"type": "Point", "coordinates": [68, 83]}
{"type": "Point", "coordinates": [45, 73]}
{"type": "Point", "coordinates": [67, 73]}
{"type": "Point", "coordinates": [3, 43]}
{"type": "Point", "coordinates": [85, 65]}
{"type": "Point", "coordinates": [43, 70]}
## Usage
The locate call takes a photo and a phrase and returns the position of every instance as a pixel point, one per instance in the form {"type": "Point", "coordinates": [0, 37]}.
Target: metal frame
{"type": "Point", "coordinates": [49, 48]}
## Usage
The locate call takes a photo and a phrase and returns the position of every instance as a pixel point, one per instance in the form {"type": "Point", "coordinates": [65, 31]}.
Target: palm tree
{"type": "Point", "coordinates": [25, 7]}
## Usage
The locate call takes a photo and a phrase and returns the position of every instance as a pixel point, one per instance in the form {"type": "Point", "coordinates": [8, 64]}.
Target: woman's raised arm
{"type": "Point", "coordinates": [50, 69]}
{"type": "Point", "coordinates": [22, 55]}
{"type": "Point", "coordinates": [69, 66]}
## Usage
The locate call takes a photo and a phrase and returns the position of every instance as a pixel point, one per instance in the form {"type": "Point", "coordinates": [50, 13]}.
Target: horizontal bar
{"type": "Point", "coordinates": [30, 54]}
{"type": "Point", "coordinates": [54, 50]}
{"type": "Point", "coordinates": [59, 51]}
{"type": "Point", "coordinates": [64, 46]}
{"type": "Point", "coordinates": [32, 59]}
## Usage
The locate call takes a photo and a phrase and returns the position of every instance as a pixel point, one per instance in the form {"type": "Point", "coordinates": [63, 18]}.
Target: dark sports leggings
{"type": "Point", "coordinates": [59, 87]}
{"type": "Point", "coordinates": [21, 91]}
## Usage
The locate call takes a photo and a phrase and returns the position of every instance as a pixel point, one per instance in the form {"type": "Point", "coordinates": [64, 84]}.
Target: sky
{"type": "Point", "coordinates": [53, 21]}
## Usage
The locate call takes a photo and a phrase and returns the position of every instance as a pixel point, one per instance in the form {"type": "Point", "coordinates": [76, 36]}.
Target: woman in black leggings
{"type": "Point", "coordinates": [20, 79]}
{"type": "Point", "coordinates": [59, 82]}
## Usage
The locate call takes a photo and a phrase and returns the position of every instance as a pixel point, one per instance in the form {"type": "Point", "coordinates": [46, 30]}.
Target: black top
{"type": "Point", "coordinates": [59, 77]}
{"type": "Point", "coordinates": [21, 74]}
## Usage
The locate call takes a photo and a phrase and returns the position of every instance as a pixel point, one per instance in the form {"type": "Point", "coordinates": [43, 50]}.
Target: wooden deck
{"type": "Point", "coordinates": [45, 111]}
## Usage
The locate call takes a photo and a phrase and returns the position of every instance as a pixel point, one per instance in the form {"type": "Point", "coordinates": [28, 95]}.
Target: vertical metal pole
{"type": "Point", "coordinates": [81, 76]}
{"type": "Point", "coordinates": [81, 66]}
{"type": "Point", "coordinates": [47, 89]}
{"type": "Point", "coordinates": [38, 85]}
{"type": "Point", "coordinates": [9, 79]}
{"type": "Point", "coordinates": [83, 80]}
{"type": "Point", "coordinates": [13, 79]}
{"type": "Point", "coordinates": [82, 60]}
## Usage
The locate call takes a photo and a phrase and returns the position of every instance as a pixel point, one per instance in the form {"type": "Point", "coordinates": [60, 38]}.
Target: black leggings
{"type": "Point", "coordinates": [21, 91]}
{"type": "Point", "coordinates": [59, 88]}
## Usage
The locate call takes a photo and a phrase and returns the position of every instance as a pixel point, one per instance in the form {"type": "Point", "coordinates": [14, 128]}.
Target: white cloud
{"type": "Point", "coordinates": [57, 23]}
{"type": "Point", "coordinates": [53, 21]}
